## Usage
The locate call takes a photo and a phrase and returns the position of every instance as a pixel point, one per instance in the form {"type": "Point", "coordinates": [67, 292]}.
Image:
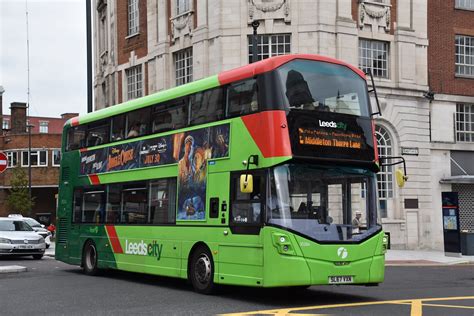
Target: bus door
{"type": "Point", "coordinates": [241, 252]}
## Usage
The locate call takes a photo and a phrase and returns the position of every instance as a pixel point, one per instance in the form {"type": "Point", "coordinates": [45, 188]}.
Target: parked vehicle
{"type": "Point", "coordinates": [19, 238]}
{"type": "Point", "coordinates": [37, 227]}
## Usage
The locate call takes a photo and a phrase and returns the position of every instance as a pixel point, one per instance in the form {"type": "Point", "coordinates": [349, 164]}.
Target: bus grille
{"type": "Point", "coordinates": [61, 237]}
{"type": "Point", "coordinates": [65, 174]}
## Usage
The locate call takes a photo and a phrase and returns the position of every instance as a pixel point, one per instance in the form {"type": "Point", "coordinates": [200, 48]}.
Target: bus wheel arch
{"type": "Point", "coordinates": [201, 268]}
{"type": "Point", "coordinates": [89, 262]}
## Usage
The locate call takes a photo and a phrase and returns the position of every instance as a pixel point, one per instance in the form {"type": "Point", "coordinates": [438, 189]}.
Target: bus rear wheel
{"type": "Point", "coordinates": [202, 271]}
{"type": "Point", "coordinates": [89, 259]}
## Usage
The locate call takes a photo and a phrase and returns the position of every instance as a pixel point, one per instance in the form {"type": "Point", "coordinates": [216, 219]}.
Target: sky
{"type": "Point", "coordinates": [57, 50]}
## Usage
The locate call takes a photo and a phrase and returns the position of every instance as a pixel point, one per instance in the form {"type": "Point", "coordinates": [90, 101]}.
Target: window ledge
{"type": "Point", "coordinates": [464, 76]}
{"type": "Point", "coordinates": [463, 9]}
{"type": "Point", "coordinates": [132, 35]}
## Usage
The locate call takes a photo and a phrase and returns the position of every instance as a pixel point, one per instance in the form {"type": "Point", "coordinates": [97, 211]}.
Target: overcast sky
{"type": "Point", "coordinates": [57, 40]}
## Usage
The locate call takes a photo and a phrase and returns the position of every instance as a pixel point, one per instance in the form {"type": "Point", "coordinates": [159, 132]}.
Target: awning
{"type": "Point", "coordinates": [465, 179]}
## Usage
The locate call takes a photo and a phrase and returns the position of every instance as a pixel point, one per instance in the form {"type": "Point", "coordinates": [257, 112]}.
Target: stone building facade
{"type": "Point", "coordinates": [148, 46]}
{"type": "Point", "coordinates": [45, 157]}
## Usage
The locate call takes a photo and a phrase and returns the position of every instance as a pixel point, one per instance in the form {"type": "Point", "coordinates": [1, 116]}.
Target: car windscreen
{"type": "Point", "coordinates": [11, 226]}
{"type": "Point", "coordinates": [32, 222]}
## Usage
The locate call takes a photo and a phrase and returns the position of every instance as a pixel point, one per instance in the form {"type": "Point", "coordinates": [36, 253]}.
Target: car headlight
{"type": "Point", "coordinates": [41, 240]}
{"type": "Point", "coordinates": [5, 241]}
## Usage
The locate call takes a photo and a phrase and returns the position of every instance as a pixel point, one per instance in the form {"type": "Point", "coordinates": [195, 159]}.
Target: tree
{"type": "Point", "coordinates": [19, 200]}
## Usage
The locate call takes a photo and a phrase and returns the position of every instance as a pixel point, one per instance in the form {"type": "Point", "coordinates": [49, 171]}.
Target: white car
{"type": "Point", "coordinates": [18, 238]}
{"type": "Point", "coordinates": [37, 227]}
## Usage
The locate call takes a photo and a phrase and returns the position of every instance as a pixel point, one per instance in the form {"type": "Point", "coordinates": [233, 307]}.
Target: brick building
{"type": "Point", "coordinates": [148, 46]}
{"type": "Point", "coordinates": [451, 82]}
{"type": "Point", "coordinates": [45, 156]}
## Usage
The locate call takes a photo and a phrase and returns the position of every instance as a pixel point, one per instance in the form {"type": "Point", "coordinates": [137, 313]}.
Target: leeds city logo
{"type": "Point", "coordinates": [141, 248]}
{"type": "Point", "coordinates": [332, 124]}
{"type": "Point", "coordinates": [342, 253]}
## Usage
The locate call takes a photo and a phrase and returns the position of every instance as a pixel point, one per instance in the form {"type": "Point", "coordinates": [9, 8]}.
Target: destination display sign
{"type": "Point", "coordinates": [328, 135]}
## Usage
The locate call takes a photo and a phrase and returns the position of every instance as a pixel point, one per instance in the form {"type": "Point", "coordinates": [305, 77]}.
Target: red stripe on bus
{"type": "Point", "coordinates": [250, 70]}
{"type": "Point", "coordinates": [269, 130]}
{"type": "Point", "coordinates": [83, 150]}
{"type": "Point", "coordinates": [75, 121]}
{"type": "Point", "coordinates": [94, 179]}
{"type": "Point", "coordinates": [114, 240]}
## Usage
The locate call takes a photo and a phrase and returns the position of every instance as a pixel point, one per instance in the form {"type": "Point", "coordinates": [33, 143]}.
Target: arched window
{"type": "Point", "coordinates": [385, 176]}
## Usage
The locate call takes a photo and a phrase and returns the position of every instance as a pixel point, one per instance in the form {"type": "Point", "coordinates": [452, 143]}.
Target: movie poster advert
{"type": "Point", "coordinates": [211, 142]}
{"type": "Point", "coordinates": [123, 157]}
{"type": "Point", "coordinates": [194, 149]}
{"type": "Point", "coordinates": [156, 151]}
{"type": "Point", "coordinates": [94, 161]}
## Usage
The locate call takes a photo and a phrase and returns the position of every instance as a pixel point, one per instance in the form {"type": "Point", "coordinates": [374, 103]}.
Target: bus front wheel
{"type": "Point", "coordinates": [89, 259]}
{"type": "Point", "coordinates": [202, 271]}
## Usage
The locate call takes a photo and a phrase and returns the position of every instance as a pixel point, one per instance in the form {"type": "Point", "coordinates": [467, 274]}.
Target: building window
{"type": "Point", "coordinates": [465, 4]}
{"type": "Point", "coordinates": [385, 176]}
{"type": "Point", "coordinates": [465, 55]}
{"type": "Point", "coordinates": [38, 158]}
{"type": "Point", "coordinates": [465, 122]}
{"type": "Point", "coordinates": [43, 128]}
{"type": "Point", "coordinates": [134, 82]}
{"type": "Point", "coordinates": [12, 157]}
{"type": "Point", "coordinates": [132, 17]}
{"type": "Point", "coordinates": [183, 61]}
{"type": "Point", "coordinates": [373, 56]}
{"type": "Point", "coordinates": [271, 45]}
{"type": "Point", "coordinates": [5, 124]}
{"type": "Point", "coordinates": [182, 6]}
{"type": "Point", "coordinates": [56, 155]}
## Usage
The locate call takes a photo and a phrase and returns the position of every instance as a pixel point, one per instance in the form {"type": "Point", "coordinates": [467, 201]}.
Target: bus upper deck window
{"type": "Point", "coordinates": [242, 98]}
{"type": "Point", "coordinates": [137, 122]}
{"type": "Point", "coordinates": [76, 138]}
{"type": "Point", "coordinates": [118, 128]}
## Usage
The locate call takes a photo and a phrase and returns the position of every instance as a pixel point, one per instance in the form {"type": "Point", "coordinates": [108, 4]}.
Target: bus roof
{"type": "Point", "coordinates": [223, 78]}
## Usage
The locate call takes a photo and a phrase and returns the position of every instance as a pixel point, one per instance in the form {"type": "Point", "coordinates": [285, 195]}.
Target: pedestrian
{"type": "Point", "coordinates": [356, 222]}
{"type": "Point", "coordinates": [52, 229]}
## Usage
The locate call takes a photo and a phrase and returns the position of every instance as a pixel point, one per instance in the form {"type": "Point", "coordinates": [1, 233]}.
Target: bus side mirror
{"type": "Point", "coordinates": [246, 183]}
{"type": "Point", "coordinates": [401, 178]}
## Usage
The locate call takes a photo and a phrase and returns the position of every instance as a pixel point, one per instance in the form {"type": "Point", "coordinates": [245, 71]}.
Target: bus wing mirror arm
{"type": "Point", "coordinates": [401, 177]}
{"type": "Point", "coordinates": [374, 90]}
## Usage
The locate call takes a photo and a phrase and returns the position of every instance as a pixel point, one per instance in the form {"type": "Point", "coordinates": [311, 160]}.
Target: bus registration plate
{"type": "Point", "coordinates": [341, 279]}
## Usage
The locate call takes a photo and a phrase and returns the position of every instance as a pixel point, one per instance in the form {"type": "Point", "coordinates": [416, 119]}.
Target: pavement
{"type": "Point", "coordinates": [424, 257]}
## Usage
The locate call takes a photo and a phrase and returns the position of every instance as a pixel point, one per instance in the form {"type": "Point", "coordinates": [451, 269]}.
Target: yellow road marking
{"type": "Point", "coordinates": [416, 306]}
{"type": "Point", "coordinates": [450, 306]}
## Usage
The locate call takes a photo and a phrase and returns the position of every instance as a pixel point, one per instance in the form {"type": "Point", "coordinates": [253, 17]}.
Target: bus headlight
{"type": "Point", "coordinates": [283, 244]}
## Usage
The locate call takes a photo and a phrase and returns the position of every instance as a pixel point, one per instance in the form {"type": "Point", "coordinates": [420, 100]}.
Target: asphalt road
{"type": "Point", "coordinates": [54, 288]}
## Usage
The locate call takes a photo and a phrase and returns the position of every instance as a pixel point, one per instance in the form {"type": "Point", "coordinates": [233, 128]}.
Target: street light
{"type": "Point", "coordinates": [255, 25]}
{"type": "Point", "coordinates": [29, 127]}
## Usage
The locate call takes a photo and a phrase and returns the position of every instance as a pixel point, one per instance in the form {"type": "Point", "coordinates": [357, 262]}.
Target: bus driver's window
{"type": "Point", "coordinates": [247, 207]}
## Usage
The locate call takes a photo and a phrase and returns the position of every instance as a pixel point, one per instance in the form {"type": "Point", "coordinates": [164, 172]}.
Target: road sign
{"type": "Point", "coordinates": [3, 162]}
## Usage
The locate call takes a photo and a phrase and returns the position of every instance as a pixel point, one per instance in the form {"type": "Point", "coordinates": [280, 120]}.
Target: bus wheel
{"type": "Point", "coordinates": [89, 259]}
{"type": "Point", "coordinates": [202, 271]}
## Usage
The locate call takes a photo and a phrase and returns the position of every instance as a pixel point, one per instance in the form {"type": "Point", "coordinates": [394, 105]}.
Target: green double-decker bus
{"type": "Point", "coordinates": [261, 176]}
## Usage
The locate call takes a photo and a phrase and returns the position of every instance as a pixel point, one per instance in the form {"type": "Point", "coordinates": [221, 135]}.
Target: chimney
{"type": "Point", "coordinates": [68, 116]}
{"type": "Point", "coordinates": [18, 117]}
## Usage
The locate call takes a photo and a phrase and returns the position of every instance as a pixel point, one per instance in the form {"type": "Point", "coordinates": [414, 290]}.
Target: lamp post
{"type": "Point", "coordinates": [29, 127]}
{"type": "Point", "coordinates": [255, 25]}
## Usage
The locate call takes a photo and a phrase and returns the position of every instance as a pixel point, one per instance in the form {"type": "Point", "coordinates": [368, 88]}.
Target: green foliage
{"type": "Point", "coordinates": [18, 200]}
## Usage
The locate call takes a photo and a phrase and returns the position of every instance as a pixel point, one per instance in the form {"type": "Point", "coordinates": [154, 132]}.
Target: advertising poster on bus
{"type": "Point", "coordinates": [194, 149]}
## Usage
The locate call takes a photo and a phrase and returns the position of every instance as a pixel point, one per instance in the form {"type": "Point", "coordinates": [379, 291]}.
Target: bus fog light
{"type": "Point", "coordinates": [285, 248]}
